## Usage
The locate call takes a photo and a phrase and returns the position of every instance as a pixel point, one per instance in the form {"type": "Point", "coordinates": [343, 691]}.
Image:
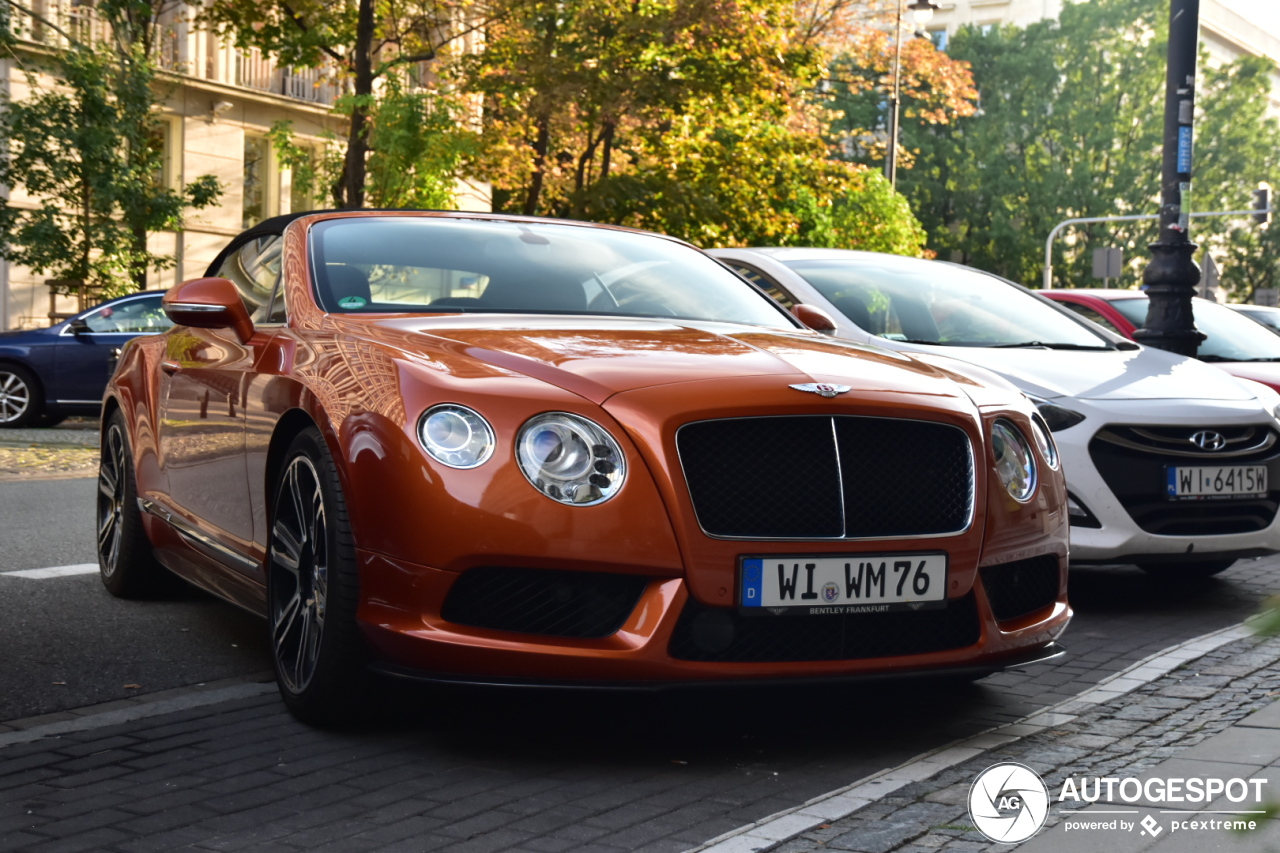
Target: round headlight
{"type": "Point", "coordinates": [455, 436]}
{"type": "Point", "coordinates": [1044, 441]}
{"type": "Point", "coordinates": [1014, 462]}
{"type": "Point", "coordinates": [570, 459]}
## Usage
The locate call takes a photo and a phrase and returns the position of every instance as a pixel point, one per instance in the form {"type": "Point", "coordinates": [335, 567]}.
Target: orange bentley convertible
{"type": "Point", "coordinates": [511, 450]}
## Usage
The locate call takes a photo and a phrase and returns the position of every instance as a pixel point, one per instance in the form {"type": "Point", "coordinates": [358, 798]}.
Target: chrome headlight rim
{"type": "Point", "coordinates": [456, 436]}
{"type": "Point", "coordinates": [1022, 489]}
{"type": "Point", "coordinates": [570, 459]}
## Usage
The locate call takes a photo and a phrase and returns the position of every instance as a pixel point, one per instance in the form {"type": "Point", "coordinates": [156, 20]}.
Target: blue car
{"type": "Point", "coordinates": [49, 374]}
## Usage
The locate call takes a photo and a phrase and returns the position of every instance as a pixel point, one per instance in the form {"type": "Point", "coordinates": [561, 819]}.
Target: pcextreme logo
{"type": "Point", "coordinates": [1008, 802]}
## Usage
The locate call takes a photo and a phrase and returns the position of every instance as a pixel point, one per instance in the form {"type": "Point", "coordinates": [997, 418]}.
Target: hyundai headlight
{"type": "Point", "coordinates": [1056, 417]}
{"type": "Point", "coordinates": [570, 459]}
{"type": "Point", "coordinates": [455, 436]}
{"type": "Point", "coordinates": [1044, 441]}
{"type": "Point", "coordinates": [1014, 462]}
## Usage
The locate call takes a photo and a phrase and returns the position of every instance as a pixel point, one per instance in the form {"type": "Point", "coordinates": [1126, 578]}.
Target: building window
{"type": "Point", "coordinates": [300, 195]}
{"type": "Point", "coordinates": [257, 155]}
{"type": "Point", "coordinates": [939, 39]}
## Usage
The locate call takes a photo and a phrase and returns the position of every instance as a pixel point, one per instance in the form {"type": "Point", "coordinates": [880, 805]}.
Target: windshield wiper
{"type": "Point", "coordinates": [919, 341]}
{"type": "Point", "coordinates": [1241, 360]}
{"type": "Point", "coordinates": [1044, 345]}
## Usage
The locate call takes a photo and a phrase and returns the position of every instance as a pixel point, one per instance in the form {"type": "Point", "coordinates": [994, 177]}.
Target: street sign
{"type": "Point", "coordinates": [1107, 264]}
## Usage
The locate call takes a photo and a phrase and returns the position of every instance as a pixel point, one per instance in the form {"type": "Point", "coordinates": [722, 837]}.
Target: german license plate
{"type": "Point", "coordinates": [1222, 481]}
{"type": "Point", "coordinates": [857, 583]}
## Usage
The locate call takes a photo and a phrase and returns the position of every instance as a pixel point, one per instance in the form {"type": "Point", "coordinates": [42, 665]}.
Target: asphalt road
{"type": "Point", "coordinates": [66, 643]}
{"type": "Point", "coordinates": [704, 761]}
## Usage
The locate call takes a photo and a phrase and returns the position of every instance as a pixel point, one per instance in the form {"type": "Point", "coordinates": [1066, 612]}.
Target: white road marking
{"type": "Point", "coordinates": [834, 805]}
{"type": "Point", "coordinates": [55, 571]}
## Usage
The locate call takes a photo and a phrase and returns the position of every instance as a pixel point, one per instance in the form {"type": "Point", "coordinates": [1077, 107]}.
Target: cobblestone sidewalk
{"type": "Point", "coordinates": [1122, 737]}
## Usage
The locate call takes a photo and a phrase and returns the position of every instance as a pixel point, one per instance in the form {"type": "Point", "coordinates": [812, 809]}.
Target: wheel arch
{"type": "Point", "coordinates": [291, 423]}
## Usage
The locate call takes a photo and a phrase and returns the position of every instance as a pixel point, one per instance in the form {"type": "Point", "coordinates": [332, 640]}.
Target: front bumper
{"type": "Point", "coordinates": [1119, 538]}
{"type": "Point", "coordinates": [401, 607]}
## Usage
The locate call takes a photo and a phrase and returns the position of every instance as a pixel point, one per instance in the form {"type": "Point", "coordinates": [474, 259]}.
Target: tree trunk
{"type": "Point", "coordinates": [357, 145]}
{"type": "Point", "coordinates": [607, 156]}
{"type": "Point", "coordinates": [540, 146]}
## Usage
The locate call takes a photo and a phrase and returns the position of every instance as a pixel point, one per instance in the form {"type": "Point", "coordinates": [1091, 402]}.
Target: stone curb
{"type": "Point", "coordinates": [783, 826]}
{"type": "Point", "coordinates": [127, 710]}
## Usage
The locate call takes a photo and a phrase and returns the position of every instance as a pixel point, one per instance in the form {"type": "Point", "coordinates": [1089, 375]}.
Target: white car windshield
{"type": "Point", "coordinates": [925, 302]}
{"type": "Point", "coordinates": [418, 264]}
{"type": "Point", "coordinates": [1230, 337]}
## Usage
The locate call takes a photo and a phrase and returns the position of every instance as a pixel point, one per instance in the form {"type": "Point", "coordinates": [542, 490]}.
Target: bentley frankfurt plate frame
{"type": "Point", "coordinates": [1218, 481]}
{"type": "Point", "coordinates": [849, 583]}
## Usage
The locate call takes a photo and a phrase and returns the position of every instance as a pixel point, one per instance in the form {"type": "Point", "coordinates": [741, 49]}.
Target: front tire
{"type": "Point", "coordinates": [125, 561]}
{"type": "Point", "coordinates": [20, 398]}
{"type": "Point", "coordinates": [313, 588]}
{"type": "Point", "coordinates": [1188, 571]}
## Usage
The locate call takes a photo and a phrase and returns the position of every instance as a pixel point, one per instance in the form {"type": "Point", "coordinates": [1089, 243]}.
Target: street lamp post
{"type": "Point", "coordinates": [1172, 275]}
{"type": "Point", "coordinates": [922, 11]}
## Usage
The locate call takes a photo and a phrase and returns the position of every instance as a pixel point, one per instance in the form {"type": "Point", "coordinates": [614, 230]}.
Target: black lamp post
{"type": "Point", "coordinates": [1172, 275]}
{"type": "Point", "coordinates": [922, 11]}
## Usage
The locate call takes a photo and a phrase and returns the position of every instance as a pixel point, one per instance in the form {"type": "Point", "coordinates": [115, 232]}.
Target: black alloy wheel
{"type": "Point", "coordinates": [313, 588]}
{"type": "Point", "coordinates": [20, 402]}
{"type": "Point", "coordinates": [125, 561]}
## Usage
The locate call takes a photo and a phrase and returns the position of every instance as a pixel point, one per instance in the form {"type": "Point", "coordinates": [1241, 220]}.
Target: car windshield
{"type": "Point", "coordinates": [1230, 336]}
{"type": "Point", "coordinates": [907, 299]}
{"type": "Point", "coordinates": [434, 264]}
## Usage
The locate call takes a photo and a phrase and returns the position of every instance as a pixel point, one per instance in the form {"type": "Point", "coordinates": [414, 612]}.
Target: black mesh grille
{"type": "Point", "coordinates": [535, 601]}
{"type": "Point", "coordinates": [1137, 475]}
{"type": "Point", "coordinates": [768, 477]}
{"type": "Point", "coordinates": [1022, 587]}
{"type": "Point", "coordinates": [823, 478]}
{"type": "Point", "coordinates": [903, 478]}
{"type": "Point", "coordinates": [726, 635]}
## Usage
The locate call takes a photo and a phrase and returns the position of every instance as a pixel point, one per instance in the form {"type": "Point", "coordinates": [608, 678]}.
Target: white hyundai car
{"type": "Point", "coordinates": [1171, 464]}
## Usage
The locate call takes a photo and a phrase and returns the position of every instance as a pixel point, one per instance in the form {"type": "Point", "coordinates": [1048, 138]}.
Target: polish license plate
{"type": "Point", "coordinates": [1222, 481]}
{"type": "Point", "coordinates": [856, 583]}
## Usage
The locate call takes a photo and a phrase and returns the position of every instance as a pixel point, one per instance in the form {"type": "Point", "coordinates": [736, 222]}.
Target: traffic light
{"type": "Point", "coordinates": [1262, 204]}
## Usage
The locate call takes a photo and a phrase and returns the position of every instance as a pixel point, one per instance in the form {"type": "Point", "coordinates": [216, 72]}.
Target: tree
{"type": "Point", "coordinates": [370, 45]}
{"type": "Point", "coordinates": [416, 148]}
{"type": "Point", "coordinates": [1069, 126]}
{"type": "Point", "coordinates": [86, 152]}
{"type": "Point", "coordinates": [573, 90]}
{"type": "Point", "coordinates": [859, 39]}
{"type": "Point", "coordinates": [691, 117]}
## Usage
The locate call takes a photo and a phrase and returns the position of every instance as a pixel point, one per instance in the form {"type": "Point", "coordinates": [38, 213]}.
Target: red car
{"type": "Point", "coordinates": [515, 450]}
{"type": "Point", "coordinates": [1235, 343]}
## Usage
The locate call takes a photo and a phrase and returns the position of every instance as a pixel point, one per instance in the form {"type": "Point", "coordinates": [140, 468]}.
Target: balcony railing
{"type": "Point", "coordinates": [249, 68]}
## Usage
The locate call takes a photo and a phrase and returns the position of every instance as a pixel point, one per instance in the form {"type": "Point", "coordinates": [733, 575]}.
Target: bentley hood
{"type": "Point", "coordinates": [598, 357]}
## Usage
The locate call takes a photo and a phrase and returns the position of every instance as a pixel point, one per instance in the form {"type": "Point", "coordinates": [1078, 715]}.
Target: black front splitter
{"type": "Point", "coordinates": [1048, 653]}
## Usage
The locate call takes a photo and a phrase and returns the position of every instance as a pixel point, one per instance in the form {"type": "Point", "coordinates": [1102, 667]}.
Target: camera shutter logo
{"type": "Point", "coordinates": [1008, 802]}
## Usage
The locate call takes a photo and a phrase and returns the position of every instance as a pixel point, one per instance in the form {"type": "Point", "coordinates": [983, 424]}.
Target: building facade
{"type": "Point", "coordinates": [217, 104]}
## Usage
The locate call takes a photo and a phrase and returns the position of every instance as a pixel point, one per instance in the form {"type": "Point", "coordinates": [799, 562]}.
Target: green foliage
{"type": "Point", "coordinates": [87, 152]}
{"type": "Point", "coordinates": [690, 117]}
{"type": "Point", "coordinates": [1071, 125]}
{"type": "Point", "coordinates": [364, 43]}
{"type": "Point", "coordinates": [726, 178]}
{"type": "Point", "coordinates": [417, 147]}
